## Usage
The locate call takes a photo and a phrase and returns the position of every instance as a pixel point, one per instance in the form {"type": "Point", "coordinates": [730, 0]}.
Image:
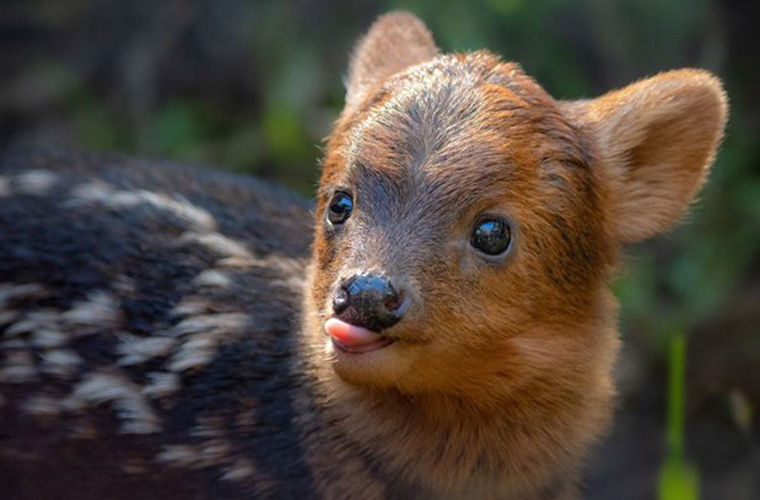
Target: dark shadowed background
{"type": "Point", "coordinates": [254, 86]}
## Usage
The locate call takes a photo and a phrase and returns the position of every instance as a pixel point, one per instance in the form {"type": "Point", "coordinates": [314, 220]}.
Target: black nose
{"type": "Point", "coordinates": [369, 301]}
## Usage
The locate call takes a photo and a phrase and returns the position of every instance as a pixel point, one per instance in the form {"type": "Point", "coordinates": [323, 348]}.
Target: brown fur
{"type": "Point", "coordinates": [500, 376]}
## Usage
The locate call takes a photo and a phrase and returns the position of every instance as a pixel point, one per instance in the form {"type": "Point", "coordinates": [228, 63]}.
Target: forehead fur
{"type": "Point", "coordinates": [460, 124]}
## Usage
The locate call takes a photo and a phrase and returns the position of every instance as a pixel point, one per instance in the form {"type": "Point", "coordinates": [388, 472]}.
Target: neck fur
{"type": "Point", "coordinates": [457, 446]}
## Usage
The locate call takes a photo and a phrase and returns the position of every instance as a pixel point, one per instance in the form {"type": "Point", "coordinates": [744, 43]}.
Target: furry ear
{"type": "Point", "coordinates": [657, 138]}
{"type": "Point", "coordinates": [394, 42]}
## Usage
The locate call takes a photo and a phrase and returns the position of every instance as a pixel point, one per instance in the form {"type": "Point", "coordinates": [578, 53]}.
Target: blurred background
{"type": "Point", "coordinates": [254, 86]}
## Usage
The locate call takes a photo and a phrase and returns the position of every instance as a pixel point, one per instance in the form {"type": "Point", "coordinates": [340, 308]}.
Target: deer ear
{"type": "Point", "coordinates": [394, 42]}
{"type": "Point", "coordinates": [657, 138]}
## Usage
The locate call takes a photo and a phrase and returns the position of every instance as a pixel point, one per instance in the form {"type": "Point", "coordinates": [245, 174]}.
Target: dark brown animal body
{"type": "Point", "coordinates": [167, 332]}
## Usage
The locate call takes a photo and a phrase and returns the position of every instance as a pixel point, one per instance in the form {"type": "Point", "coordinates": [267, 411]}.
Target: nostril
{"type": "Point", "coordinates": [393, 300]}
{"type": "Point", "coordinates": [340, 300]}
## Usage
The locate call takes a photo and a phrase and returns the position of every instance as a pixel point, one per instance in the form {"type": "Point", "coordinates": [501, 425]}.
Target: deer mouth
{"type": "Point", "coordinates": [354, 339]}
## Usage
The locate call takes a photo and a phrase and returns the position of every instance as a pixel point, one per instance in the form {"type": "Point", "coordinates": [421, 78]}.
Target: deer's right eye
{"type": "Point", "coordinates": [491, 236]}
{"type": "Point", "coordinates": [340, 208]}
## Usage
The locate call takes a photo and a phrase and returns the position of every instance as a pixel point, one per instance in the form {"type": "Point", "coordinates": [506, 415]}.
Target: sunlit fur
{"type": "Point", "coordinates": [500, 376]}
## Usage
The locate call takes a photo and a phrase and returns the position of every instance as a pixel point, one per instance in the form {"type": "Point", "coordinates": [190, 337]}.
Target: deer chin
{"type": "Point", "coordinates": [363, 358]}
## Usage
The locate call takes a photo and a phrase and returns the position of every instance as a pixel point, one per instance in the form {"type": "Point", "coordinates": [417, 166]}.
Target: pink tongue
{"type": "Point", "coordinates": [350, 335]}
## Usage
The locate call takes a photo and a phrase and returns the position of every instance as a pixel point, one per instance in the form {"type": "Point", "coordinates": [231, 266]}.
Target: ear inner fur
{"type": "Point", "coordinates": [656, 139]}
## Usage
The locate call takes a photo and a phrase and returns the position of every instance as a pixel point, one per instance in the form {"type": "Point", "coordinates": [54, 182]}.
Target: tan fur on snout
{"type": "Point", "coordinates": [500, 377]}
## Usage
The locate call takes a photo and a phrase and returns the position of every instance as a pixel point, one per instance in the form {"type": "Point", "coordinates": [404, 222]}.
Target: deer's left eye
{"type": "Point", "coordinates": [340, 208]}
{"type": "Point", "coordinates": [491, 236]}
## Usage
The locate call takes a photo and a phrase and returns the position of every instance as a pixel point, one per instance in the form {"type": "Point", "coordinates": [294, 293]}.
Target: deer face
{"type": "Point", "coordinates": [467, 222]}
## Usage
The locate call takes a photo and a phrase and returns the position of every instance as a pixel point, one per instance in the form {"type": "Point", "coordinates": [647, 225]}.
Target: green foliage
{"type": "Point", "coordinates": [95, 125]}
{"type": "Point", "coordinates": [176, 130]}
{"type": "Point", "coordinates": [678, 479]}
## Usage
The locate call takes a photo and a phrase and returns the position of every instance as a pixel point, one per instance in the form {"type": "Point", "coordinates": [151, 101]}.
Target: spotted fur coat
{"type": "Point", "coordinates": [146, 321]}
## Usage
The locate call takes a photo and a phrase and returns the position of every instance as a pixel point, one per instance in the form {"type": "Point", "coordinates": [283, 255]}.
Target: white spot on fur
{"type": "Point", "coordinates": [178, 455]}
{"type": "Point", "coordinates": [208, 427]}
{"type": "Point", "coordinates": [61, 362]}
{"type": "Point", "coordinates": [18, 368]}
{"type": "Point", "coordinates": [99, 192]}
{"type": "Point", "coordinates": [239, 263]}
{"type": "Point", "coordinates": [220, 244]}
{"type": "Point", "coordinates": [7, 317]}
{"type": "Point", "coordinates": [48, 338]}
{"type": "Point", "coordinates": [241, 470]}
{"type": "Point", "coordinates": [11, 291]}
{"type": "Point", "coordinates": [161, 385]}
{"type": "Point", "coordinates": [209, 453]}
{"type": "Point", "coordinates": [135, 350]}
{"type": "Point", "coordinates": [93, 191]}
{"type": "Point", "coordinates": [210, 322]}
{"type": "Point", "coordinates": [213, 278]}
{"type": "Point", "coordinates": [182, 208]}
{"type": "Point", "coordinates": [36, 182]}
{"type": "Point", "coordinates": [202, 335]}
{"type": "Point", "coordinates": [132, 407]}
{"type": "Point", "coordinates": [124, 285]}
{"type": "Point", "coordinates": [192, 307]}
{"type": "Point", "coordinates": [42, 326]}
{"type": "Point", "coordinates": [214, 452]}
{"type": "Point", "coordinates": [41, 406]}
{"type": "Point", "coordinates": [99, 311]}
{"type": "Point", "coordinates": [41, 319]}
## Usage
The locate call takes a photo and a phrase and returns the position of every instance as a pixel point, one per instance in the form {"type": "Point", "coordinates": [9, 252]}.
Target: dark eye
{"type": "Point", "coordinates": [491, 236]}
{"type": "Point", "coordinates": [340, 208]}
